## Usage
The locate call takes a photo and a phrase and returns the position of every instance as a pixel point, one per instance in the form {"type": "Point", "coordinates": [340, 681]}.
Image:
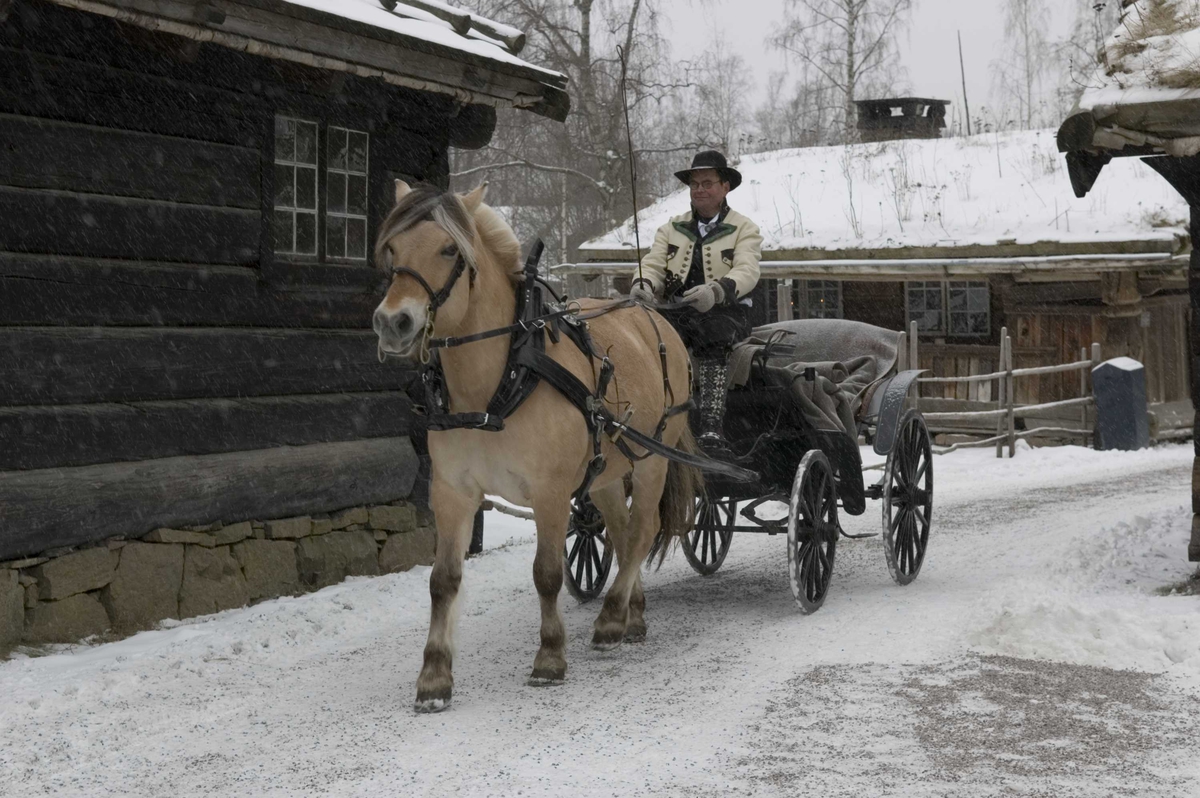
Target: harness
{"type": "Point", "coordinates": [528, 364]}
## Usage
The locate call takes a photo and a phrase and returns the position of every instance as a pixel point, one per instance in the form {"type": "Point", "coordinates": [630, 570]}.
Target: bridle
{"type": "Point", "coordinates": [436, 300]}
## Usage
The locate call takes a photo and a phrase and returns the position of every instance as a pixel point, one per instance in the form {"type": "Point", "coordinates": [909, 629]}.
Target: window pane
{"type": "Point", "coordinates": [958, 299]}
{"type": "Point", "coordinates": [306, 188]}
{"type": "Point", "coordinates": [337, 148]}
{"type": "Point", "coordinates": [283, 231]}
{"type": "Point", "coordinates": [306, 142]}
{"type": "Point", "coordinates": [931, 321]}
{"type": "Point", "coordinates": [337, 192]}
{"type": "Point", "coordinates": [285, 138]}
{"type": "Point", "coordinates": [306, 233]}
{"type": "Point", "coordinates": [356, 195]}
{"type": "Point", "coordinates": [979, 324]}
{"type": "Point", "coordinates": [335, 236]}
{"type": "Point", "coordinates": [285, 186]}
{"type": "Point", "coordinates": [978, 298]}
{"type": "Point", "coordinates": [356, 238]}
{"type": "Point", "coordinates": [958, 324]}
{"type": "Point", "coordinates": [358, 152]}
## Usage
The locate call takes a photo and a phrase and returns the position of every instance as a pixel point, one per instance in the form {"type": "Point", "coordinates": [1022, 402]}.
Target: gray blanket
{"type": "Point", "coordinates": [849, 358]}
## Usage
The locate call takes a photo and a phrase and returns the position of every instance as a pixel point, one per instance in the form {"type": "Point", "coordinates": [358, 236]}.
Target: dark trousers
{"type": "Point", "coordinates": [712, 334]}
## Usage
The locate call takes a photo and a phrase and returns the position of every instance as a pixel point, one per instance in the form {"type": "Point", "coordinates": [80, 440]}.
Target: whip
{"type": "Point", "coordinates": [637, 239]}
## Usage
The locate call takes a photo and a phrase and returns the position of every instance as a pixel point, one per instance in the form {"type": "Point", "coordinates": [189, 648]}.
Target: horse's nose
{"type": "Point", "coordinates": [398, 324]}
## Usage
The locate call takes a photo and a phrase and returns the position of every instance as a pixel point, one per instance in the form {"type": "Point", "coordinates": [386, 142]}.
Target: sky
{"type": "Point", "coordinates": [929, 52]}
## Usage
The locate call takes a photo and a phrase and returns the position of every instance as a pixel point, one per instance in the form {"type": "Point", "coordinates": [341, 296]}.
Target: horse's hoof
{"type": "Point", "coordinates": [607, 642]}
{"type": "Point", "coordinates": [546, 677]}
{"type": "Point", "coordinates": [433, 701]}
{"type": "Point", "coordinates": [635, 634]}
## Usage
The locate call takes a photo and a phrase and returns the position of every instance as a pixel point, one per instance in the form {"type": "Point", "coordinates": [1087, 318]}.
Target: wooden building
{"type": "Point", "coordinates": [188, 197]}
{"type": "Point", "coordinates": [896, 232]}
{"type": "Point", "coordinates": [901, 118]}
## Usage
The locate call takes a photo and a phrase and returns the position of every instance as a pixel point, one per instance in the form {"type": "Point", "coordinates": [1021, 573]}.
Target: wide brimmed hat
{"type": "Point", "coordinates": [711, 159]}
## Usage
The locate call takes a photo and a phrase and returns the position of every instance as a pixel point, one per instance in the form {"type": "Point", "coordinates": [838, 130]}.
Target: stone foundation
{"type": "Point", "coordinates": [121, 586]}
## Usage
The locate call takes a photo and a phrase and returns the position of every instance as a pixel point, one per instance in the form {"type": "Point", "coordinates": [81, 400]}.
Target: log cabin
{"type": "Point", "coordinates": [188, 196]}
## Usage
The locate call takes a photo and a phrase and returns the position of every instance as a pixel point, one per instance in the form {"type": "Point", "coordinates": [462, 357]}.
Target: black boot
{"type": "Point", "coordinates": [710, 379]}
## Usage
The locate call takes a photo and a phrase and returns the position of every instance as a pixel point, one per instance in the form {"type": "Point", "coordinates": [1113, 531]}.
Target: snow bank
{"type": "Point", "coordinates": [990, 189]}
{"type": "Point", "coordinates": [1103, 608]}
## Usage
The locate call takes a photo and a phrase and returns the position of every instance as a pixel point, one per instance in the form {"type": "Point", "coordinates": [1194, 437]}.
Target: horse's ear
{"type": "Point", "coordinates": [474, 199]}
{"type": "Point", "coordinates": [402, 189]}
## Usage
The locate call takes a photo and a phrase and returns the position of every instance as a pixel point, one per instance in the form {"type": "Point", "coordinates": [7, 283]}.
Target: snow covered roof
{"type": "Point", "coordinates": [421, 44]}
{"type": "Point", "coordinates": [1147, 96]}
{"type": "Point", "coordinates": [984, 200]}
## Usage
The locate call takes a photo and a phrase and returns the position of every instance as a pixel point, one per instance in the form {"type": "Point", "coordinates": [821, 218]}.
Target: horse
{"type": "Point", "coordinates": [541, 455]}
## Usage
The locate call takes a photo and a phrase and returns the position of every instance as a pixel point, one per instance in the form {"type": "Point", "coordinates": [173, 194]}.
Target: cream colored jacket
{"type": "Point", "coordinates": [731, 252]}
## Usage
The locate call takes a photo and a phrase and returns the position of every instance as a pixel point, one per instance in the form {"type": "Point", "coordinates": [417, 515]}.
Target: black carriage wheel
{"type": "Point", "coordinates": [707, 544]}
{"type": "Point", "coordinates": [587, 556]}
{"type": "Point", "coordinates": [812, 531]}
{"type": "Point", "coordinates": [908, 499]}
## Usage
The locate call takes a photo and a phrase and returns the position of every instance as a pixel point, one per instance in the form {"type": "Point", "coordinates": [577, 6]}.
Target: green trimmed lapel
{"type": "Point", "coordinates": [686, 229]}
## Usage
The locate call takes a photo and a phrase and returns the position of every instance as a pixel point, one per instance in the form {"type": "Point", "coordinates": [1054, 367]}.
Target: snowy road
{"type": "Point", "coordinates": [1033, 656]}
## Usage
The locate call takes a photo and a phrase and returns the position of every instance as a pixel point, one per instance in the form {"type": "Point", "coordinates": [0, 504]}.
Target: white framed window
{"type": "Point", "coordinates": [823, 299]}
{"type": "Point", "coordinates": [817, 299]}
{"type": "Point", "coordinates": [970, 311]}
{"type": "Point", "coordinates": [952, 308]}
{"type": "Point", "coordinates": [346, 193]}
{"type": "Point", "coordinates": [295, 222]}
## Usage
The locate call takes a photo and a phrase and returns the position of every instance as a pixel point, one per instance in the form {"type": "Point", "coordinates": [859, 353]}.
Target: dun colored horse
{"type": "Point", "coordinates": [541, 455]}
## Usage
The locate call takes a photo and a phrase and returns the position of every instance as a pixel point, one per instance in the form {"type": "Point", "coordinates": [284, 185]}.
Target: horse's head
{"type": "Point", "coordinates": [429, 244]}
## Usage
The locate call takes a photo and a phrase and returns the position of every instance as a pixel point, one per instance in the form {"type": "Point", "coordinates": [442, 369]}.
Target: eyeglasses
{"type": "Point", "coordinates": [707, 185]}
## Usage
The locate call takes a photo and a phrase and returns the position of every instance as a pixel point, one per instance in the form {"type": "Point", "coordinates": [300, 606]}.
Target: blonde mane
{"type": "Point", "coordinates": [427, 203]}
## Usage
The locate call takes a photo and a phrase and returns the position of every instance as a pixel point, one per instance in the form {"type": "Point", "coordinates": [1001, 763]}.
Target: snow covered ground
{"type": "Point", "coordinates": [1035, 655]}
{"type": "Point", "coordinates": [988, 189]}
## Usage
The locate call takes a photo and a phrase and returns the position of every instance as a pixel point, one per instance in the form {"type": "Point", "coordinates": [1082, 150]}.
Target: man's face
{"type": "Point", "coordinates": [708, 192]}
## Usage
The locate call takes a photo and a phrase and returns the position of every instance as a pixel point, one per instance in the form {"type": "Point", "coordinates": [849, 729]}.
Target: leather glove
{"type": "Point", "coordinates": [642, 292]}
{"type": "Point", "coordinates": [704, 297]}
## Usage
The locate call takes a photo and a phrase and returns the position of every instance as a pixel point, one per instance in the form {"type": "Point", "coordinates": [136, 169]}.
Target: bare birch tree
{"type": "Point", "coordinates": [850, 46]}
{"type": "Point", "coordinates": [1020, 75]}
{"type": "Point", "coordinates": [575, 176]}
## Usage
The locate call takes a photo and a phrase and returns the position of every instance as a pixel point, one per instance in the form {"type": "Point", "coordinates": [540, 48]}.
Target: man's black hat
{"type": "Point", "coordinates": [711, 159]}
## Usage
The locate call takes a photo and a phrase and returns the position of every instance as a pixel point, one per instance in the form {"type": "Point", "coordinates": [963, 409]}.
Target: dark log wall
{"type": "Point", "coordinates": [142, 313]}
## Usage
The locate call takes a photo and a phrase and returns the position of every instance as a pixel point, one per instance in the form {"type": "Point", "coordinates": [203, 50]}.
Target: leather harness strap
{"type": "Point", "coordinates": [528, 364]}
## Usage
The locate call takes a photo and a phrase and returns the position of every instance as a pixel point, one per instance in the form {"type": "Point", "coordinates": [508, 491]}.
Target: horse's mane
{"type": "Point", "coordinates": [428, 203]}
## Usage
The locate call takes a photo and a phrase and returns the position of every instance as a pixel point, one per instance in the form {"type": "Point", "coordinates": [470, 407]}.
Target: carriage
{"type": "Point", "coordinates": [802, 393]}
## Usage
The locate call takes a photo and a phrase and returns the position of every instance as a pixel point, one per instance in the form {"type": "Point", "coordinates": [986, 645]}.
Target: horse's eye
{"type": "Point", "coordinates": [450, 251]}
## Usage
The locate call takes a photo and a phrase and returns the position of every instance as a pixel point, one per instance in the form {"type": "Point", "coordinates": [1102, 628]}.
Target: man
{"type": "Point", "coordinates": [707, 261]}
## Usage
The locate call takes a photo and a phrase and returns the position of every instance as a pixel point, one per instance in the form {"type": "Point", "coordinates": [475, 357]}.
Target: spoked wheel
{"type": "Point", "coordinates": [588, 556]}
{"type": "Point", "coordinates": [707, 544]}
{"type": "Point", "coordinates": [812, 531]}
{"type": "Point", "coordinates": [908, 499]}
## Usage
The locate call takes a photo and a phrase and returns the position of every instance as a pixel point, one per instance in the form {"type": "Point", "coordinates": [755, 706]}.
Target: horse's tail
{"type": "Point", "coordinates": [677, 507]}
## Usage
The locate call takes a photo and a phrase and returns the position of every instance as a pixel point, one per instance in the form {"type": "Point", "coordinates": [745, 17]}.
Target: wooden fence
{"type": "Point", "coordinates": [1007, 411]}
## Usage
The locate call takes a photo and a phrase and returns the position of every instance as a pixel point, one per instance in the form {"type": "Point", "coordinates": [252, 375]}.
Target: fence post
{"type": "Point", "coordinates": [1083, 389]}
{"type": "Point", "coordinates": [1001, 391]}
{"type": "Point", "coordinates": [1095, 362]}
{"type": "Point", "coordinates": [1008, 374]}
{"type": "Point", "coordinates": [914, 361]}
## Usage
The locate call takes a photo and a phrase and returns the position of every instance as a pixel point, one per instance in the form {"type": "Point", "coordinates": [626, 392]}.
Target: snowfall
{"type": "Point", "coordinates": [1050, 647]}
{"type": "Point", "coordinates": [982, 190]}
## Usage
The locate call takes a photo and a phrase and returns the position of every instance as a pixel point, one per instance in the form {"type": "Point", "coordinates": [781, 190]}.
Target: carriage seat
{"type": "Point", "coordinates": [830, 366]}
